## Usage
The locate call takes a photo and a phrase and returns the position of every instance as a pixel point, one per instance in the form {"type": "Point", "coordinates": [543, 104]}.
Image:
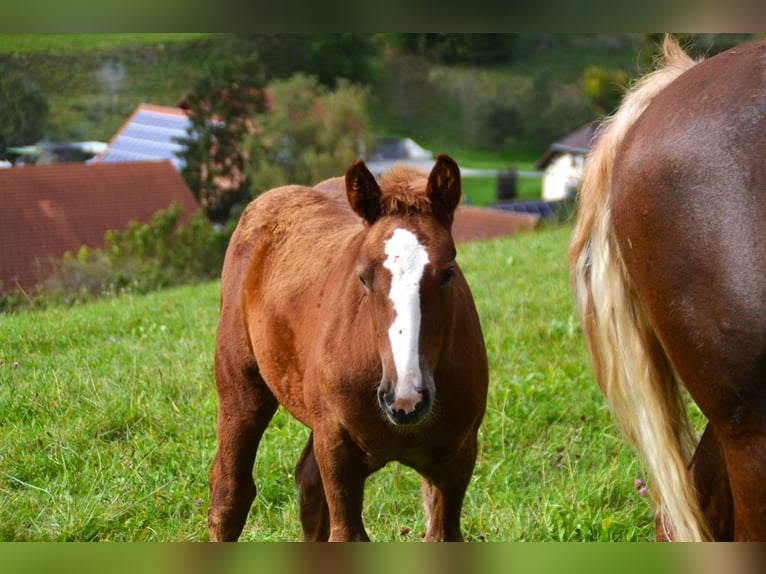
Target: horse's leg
{"type": "Point", "coordinates": [746, 464]}
{"type": "Point", "coordinates": [443, 488]}
{"type": "Point", "coordinates": [315, 517]}
{"type": "Point", "coordinates": [708, 470]}
{"type": "Point", "coordinates": [245, 407]}
{"type": "Point", "coordinates": [343, 473]}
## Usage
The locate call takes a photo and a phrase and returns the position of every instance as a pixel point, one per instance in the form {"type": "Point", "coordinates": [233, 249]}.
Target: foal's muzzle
{"type": "Point", "coordinates": [407, 410]}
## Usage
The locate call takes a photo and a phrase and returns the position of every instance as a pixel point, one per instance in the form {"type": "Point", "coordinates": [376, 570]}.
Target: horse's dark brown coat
{"type": "Point", "coordinates": [689, 211]}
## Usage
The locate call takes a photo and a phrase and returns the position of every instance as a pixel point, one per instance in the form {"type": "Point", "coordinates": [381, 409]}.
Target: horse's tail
{"type": "Point", "coordinates": [632, 370]}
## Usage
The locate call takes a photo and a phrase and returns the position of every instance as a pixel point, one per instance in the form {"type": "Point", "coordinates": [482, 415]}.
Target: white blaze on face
{"type": "Point", "coordinates": [406, 259]}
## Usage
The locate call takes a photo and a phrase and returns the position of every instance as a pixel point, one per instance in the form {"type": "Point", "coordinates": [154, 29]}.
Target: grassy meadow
{"type": "Point", "coordinates": [108, 410]}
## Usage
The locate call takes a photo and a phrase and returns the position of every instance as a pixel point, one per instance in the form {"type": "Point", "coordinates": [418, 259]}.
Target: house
{"type": "Point", "coordinates": [562, 163]}
{"type": "Point", "coordinates": [151, 133]}
{"type": "Point", "coordinates": [47, 210]}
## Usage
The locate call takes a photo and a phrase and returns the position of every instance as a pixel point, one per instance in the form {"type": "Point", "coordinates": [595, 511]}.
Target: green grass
{"type": "Point", "coordinates": [483, 190]}
{"type": "Point", "coordinates": [107, 421]}
{"type": "Point", "coordinates": [77, 43]}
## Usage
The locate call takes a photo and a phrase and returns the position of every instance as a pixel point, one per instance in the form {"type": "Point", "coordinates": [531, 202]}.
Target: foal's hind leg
{"type": "Point", "coordinates": [245, 407]}
{"type": "Point", "coordinates": [443, 487]}
{"type": "Point", "coordinates": [315, 515]}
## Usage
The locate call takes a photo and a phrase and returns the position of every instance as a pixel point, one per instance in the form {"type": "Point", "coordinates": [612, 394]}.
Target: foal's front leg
{"type": "Point", "coordinates": [341, 465]}
{"type": "Point", "coordinates": [443, 487]}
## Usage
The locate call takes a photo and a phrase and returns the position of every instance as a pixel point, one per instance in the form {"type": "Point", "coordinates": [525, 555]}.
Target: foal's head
{"type": "Point", "coordinates": [406, 265]}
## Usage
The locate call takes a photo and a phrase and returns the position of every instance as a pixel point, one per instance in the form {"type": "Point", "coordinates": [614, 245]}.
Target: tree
{"type": "Point", "coordinates": [221, 105]}
{"type": "Point", "coordinates": [354, 57]}
{"type": "Point", "coordinates": [23, 108]}
{"type": "Point", "coordinates": [471, 49]}
{"type": "Point", "coordinates": [310, 133]}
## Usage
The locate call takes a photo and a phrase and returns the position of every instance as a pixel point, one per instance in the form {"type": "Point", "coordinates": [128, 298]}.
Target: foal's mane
{"type": "Point", "coordinates": [403, 191]}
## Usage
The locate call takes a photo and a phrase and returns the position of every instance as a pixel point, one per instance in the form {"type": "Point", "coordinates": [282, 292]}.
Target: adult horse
{"type": "Point", "coordinates": [366, 331]}
{"type": "Point", "coordinates": [668, 260]}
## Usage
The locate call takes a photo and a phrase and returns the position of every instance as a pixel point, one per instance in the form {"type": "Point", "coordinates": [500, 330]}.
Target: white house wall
{"type": "Point", "coordinates": [562, 177]}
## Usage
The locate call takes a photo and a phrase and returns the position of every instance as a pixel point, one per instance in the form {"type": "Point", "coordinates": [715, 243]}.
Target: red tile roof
{"type": "Point", "coordinates": [47, 210]}
{"type": "Point", "coordinates": [483, 223]}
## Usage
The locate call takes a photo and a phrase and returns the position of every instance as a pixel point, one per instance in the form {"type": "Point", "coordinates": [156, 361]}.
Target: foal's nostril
{"type": "Point", "coordinates": [411, 410]}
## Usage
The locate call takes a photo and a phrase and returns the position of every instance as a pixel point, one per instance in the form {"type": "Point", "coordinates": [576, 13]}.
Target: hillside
{"type": "Point", "coordinates": [485, 116]}
{"type": "Point", "coordinates": [93, 82]}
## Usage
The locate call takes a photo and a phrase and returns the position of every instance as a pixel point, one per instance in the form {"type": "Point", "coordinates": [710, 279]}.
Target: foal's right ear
{"type": "Point", "coordinates": [363, 192]}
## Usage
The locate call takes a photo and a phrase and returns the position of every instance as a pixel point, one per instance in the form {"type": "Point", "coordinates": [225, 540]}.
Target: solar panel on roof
{"type": "Point", "coordinates": [161, 120]}
{"type": "Point", "coordinates": [149, 135]}
{"type": "Point", "coordinates": [152, 132]}
{"type": "Point", "coordinates": [142, 143]}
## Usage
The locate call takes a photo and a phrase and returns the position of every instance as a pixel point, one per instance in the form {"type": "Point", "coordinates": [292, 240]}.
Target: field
{"type": "Point", "coordinates": [107, 421]}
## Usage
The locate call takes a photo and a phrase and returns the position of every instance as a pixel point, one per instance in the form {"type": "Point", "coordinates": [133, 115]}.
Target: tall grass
{"type": "Point", "coordinates": [107, 421]}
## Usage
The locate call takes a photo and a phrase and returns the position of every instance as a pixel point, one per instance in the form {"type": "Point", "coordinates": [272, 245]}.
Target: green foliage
{"type": "Point", "coordinates": [529, 115]}
{"type": "Point", "coordinates": [221, 104]}
{"type": "Point", "coordinates": [143, 258]}
{"type": "Point", "coordinates": [350, 57]}
{"type": "Point", "coordinates": [93, 84]}
{"type": "Point", "coordinates": [329, 57]}
{"type": "Point", "coordinates": [554, 110]}
{"type": "Point", "coordinates": [499, 123]}
{"type": "Point", "coordinates": [471, 49]}
{"type": "Point", "coordinates": [227, 102]}
{"type": "Point", "coordinates": [604, 87]}
{"type": "Point", "coordinates": [23, 107]}
{"type": "Point", "coordinates": [310, 134]}
{"type": "Point", "coordinates": [703, 45]}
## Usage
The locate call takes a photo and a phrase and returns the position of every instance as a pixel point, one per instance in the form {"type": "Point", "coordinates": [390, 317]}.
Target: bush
{"type": "Point", "coordinates": [143, 258]}
{"type": "Point", "coordinates": [471, 49]}
{"type": "Point", "coordinates": [530, 115]}
{"type": "Point", "coordinates": [23, 107]}
{"type": "Point", "coordinates": [605, 88]}
{"type": "Point", "coordinates": [498, 123]}
{"type": "Point", "coordinates": [310, 134]}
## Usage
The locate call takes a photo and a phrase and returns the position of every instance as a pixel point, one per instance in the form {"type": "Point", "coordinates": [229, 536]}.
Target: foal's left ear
{"type": "Point", "coordinates": [444, 188]}
{"type": "Point", "coordinates": [363, 192]}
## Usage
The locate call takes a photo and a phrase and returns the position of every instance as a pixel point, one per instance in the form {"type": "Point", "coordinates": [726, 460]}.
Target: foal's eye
{"type": "Point", "coordinates": [447, 277]}
{"type": "Point", "coordinates": [362, 280]}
